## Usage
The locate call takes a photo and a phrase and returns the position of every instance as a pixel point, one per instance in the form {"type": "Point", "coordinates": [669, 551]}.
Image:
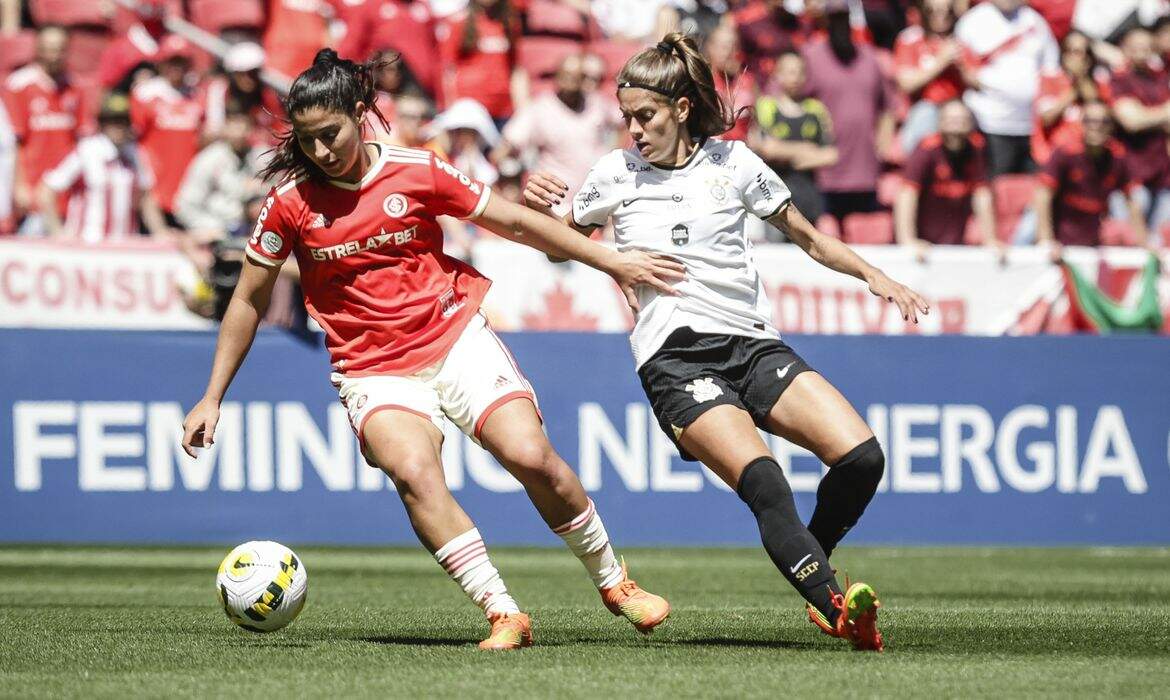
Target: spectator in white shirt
{"type": "Point", "coordinates": [108, 181]}
{"type": "Point", "coordinates": [221, 179]}
{"type": "Point", "coordinates": [1010, 46]}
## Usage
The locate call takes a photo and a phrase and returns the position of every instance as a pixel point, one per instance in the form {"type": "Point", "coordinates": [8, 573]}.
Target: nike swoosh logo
{"type": "Point", "coordinates": [782, 373]}
{"type": "Point", "coordinates": [628, 202]}
{"type": "Point", "coordinates": [796, 568]}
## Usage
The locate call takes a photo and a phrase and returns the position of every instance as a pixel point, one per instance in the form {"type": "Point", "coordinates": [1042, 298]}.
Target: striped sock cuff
{"type": "Point", "coordinates": [577, 522]}
{"type": "Point", "coordinates": [464, 551]}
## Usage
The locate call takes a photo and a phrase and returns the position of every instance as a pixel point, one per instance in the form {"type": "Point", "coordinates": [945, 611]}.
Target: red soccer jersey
{"type": "Point", "coordinates": [45, 118]}
{"type": "Point", "coordinates": [1081, 185]}
{"type": "Point", "coordinates": [168, 123]}
{"type": "Point", "coordinates": [1067, 130]}
{"type": "Point", "coordinates": [373, 270]}
{"type": "Point", "coordinates": [914, 50]}
{"type": "Point", "coordinates": [946, 183]}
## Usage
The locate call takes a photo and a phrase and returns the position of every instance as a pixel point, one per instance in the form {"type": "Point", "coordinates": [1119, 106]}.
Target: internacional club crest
{"type": "Point", "coordinates": [394, 205]}
{"type": "Point", "coordinates": [704, 389]}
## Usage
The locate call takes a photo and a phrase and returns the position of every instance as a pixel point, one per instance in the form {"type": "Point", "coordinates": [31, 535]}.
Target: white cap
{"type": "Point", "coordinates": [466, 113]}
{"type": "Point", "coordinates": [243, 57]}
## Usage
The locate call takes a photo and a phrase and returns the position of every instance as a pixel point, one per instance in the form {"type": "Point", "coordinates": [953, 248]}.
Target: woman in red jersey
{"type": "Point", "coordinates": [408, 344]}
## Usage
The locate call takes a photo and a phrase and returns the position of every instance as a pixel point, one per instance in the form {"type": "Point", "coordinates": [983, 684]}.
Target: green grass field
{"type": "Point", "coordinates": [385, 622]}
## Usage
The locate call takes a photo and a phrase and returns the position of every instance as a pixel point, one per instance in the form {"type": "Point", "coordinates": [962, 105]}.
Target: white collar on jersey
{"type": "Point", "coordinates": [375, 168]}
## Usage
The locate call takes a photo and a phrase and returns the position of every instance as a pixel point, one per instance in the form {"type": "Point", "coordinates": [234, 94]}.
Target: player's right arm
{"type": "Point", "coordinates": [248, 305]}
{"type": "Point", "coordinates": [270, 245]}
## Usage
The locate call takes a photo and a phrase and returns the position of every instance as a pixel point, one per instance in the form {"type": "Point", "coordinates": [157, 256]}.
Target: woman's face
{"type": "Point", "coordinates": [1075, 57]}
{"type": "Point", "coordinates": [653, 122]}
{"type": "Point", "coordinates": [332, 140]}
{"type": "Point", "coordinates": [940, 17]}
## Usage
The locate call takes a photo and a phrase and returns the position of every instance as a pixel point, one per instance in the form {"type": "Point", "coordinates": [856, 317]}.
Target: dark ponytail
{"type": "Point", "coordinates": [331, 83]}
{"type": "Point", "coordinates": [675, 68]}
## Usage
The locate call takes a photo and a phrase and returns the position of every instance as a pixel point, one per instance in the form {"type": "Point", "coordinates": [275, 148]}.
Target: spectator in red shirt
{"type": "Point", "coordinates": [766, 30]}
{"type": "Point", "coordinates": [478, 53]}
{"type": "Point", "coordinates": [945, 184]}
{"type": "Point", "coordinates": [168, 119]}
{"type": "Point", "coordinates": [844, 74]}
{"type": "Point", "coordinates": [46, 115]}
{"type": "Point", "coordinates": [1077, 181]}
{"type": "Point", "coordinates": [927, 68]}
{"type": "Point", "coordinates": [1141, 103]}
{"type": "Point", "coordinates": [1063, 95]}
{"type": "Point", "coordinates": [407, 27]}
{"type": "Point", "coordinates": [123, 60]}
{"type": "Point", "coordinates": [722, 51]}
{"type": "Point", "coordinates": [295, 31]}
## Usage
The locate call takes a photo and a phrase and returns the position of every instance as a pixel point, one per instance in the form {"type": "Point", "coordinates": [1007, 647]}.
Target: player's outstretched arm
{"type": "Point", "coordinates": [835, 255]}
{"type": "Point", "coordinates": [542, 192]}
{"type": "Point", "coordinates": [630, 268]}
{"type": "Point", "coordinates": [248, 305]}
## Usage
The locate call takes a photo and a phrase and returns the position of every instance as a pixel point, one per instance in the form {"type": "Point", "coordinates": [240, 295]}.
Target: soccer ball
{"type": "Point", "coordinates": [262, 586]}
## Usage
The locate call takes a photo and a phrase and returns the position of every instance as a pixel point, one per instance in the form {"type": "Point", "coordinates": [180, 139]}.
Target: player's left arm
{"type": "Point", "coordinates": [835, 255]}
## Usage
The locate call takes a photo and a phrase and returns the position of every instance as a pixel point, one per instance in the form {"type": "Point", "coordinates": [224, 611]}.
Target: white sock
{"type": "Point", "coordinates": [466, 561]}
{"type": "Point", "coordinates": [587, 538]}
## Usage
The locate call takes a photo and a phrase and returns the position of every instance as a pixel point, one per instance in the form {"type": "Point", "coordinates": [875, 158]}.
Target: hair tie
{"type": "Point", "coordinates": [666, 47]}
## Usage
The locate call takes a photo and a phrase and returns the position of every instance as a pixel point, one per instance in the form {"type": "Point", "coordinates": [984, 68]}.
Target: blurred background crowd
{"type": "Point", "coordinates": [907, 122]}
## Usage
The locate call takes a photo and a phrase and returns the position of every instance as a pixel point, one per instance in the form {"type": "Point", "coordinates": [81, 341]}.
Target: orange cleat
{"type": "Point", "coordinates": [857, 619]}
{"type": "Point", "coordinates": [509, 631]}
{"type": "Point", "coordinates": [642, 608]}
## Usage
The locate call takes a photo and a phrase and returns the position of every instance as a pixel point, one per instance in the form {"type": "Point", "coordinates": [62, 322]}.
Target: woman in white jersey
{"type": "Point", "coordinates": [710, 360]}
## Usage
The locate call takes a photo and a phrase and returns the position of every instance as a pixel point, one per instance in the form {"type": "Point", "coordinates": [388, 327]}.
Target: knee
{"type": "Point", "coordinates": [413, 474]}
{"type": "Point", "coordinates": [866, 462]}
{"type": "Point", "coordinates": [533, 459]}
{"type": "Point", "coordinates": [763, 486]}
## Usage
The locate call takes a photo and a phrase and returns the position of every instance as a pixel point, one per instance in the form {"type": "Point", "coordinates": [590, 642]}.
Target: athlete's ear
{"type": "Point", "coordinates": [359, 111]}
{"type": "Point", "coordinates": [682, 107]}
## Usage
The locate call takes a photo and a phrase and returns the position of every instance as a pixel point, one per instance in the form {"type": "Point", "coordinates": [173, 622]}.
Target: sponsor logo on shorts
{"type": "Point", "coordinates": [704, 389]}
{"type": "Point", "coordinates": [271, 242]}
{"type": "Point", "coordinates": [782, 373]}
{"type": "Point", "coordinates": [394, 205]}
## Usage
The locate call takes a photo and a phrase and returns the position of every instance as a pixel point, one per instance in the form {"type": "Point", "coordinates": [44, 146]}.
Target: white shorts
{"type": "Point", "coordinates": [477, 376]}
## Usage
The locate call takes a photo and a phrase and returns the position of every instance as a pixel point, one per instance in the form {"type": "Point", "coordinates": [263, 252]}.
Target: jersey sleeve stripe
{"type": "Point", "coordinates": [482, 204]}
{"type": "Point", "coordinates": [778, 209]}
{"type": "Point", "coordinates": [260, 259]}
{"type": "Point", "coordinates": [289, 185]}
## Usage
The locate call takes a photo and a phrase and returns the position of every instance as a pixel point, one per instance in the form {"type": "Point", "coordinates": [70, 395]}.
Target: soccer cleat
{"type": "Point", "coordinates": [509, 631]}
{"type": "Point", "coordinates": [856, 619]}
{"type": "Point", "coordinates": [642, 608]}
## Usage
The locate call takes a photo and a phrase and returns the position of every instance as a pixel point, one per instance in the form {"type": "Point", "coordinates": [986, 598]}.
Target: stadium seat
{"type": "Point", "coordinates": [542, 55]}
{"type": "Point", "coordinates": [69, 13]}
{"type": "Point", "coordinates": [868, 229]}
{"type": "Point", "coordinates": [1013, 195]}
{"type": "Point", "coordinates": [16, 50]}
{"type": "Point", "coordinates": [218, 15]}
{"type": "Point", "coordinates": [552, 18]}
{"type": "Point", "coordinates": [615, 54]}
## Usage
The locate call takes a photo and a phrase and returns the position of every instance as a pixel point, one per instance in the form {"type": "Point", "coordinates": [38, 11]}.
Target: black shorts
{"type": "Point", "coordinates": [694, 372]}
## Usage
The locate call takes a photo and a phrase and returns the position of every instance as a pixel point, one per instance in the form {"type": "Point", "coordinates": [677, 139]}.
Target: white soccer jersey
{"type": "Point", "coordinates": [696, 213]}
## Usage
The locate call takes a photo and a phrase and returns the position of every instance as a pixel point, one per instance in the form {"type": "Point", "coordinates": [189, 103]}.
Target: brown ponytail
{"type": "Point", "coordinates": [331, 83]}
{"type": "Point", "coordinates": [675, 68]}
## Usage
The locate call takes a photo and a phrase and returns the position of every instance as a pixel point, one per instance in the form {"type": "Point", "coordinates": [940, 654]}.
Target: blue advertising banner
{"type": "Point", "coordinates": [1046, 440]}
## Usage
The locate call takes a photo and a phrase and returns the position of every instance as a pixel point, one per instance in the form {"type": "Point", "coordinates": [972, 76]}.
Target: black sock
{"type": "Point", "coordinates": [793, 550]}
{"type": "Point", "coordinates": [845, 492]}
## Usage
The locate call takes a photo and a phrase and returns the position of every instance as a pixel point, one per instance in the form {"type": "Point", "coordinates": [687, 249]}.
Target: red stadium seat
{"type": "Point", "coordinates": [549, 17]}
{"type": "Point", "coordinates": [69, 13]}
{"type": "Point", "coordinates": [1013, 195]}
{"type": "Point", "coordinates": [218, 15]}
{"type": "Point", "coordinates": [868, 229]}
{"type": "Point", "coordinates": [541, 55]}
{"type": "Point", "coordinates": [615, 54]}
{"type": "Point", "coordinates": [16, 50]}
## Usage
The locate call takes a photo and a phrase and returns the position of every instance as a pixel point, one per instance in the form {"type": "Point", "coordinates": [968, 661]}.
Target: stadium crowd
{"type": "Point", "coordinates": [993, 122]}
